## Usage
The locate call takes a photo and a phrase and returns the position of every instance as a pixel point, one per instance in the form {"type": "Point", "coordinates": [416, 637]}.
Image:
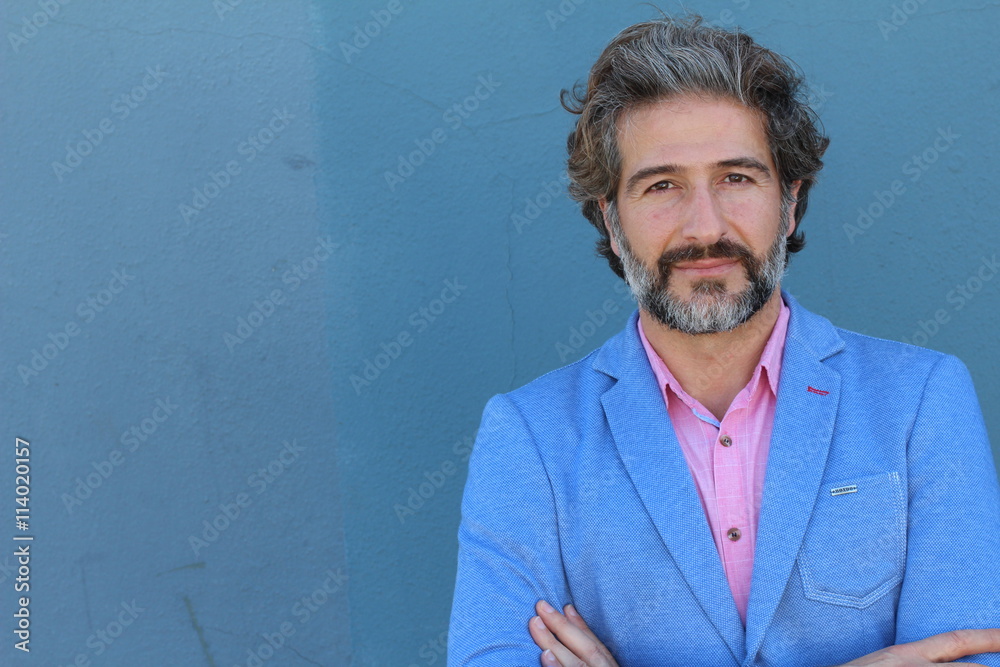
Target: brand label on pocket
{"type": "Point", "coordinates": [840, 490]}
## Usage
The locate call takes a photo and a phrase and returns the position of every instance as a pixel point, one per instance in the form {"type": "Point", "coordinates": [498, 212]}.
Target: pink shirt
{"type": "Point", "coordinates": [727, 460]}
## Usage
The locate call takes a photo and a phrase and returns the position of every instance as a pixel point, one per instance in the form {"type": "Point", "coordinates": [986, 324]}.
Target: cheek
{"type": "Point", "coordinates": [754, 222]}
{"type": "Point", "coordinates": [655, 227]}
{"type": "Point", "coordinates": [743, 210]}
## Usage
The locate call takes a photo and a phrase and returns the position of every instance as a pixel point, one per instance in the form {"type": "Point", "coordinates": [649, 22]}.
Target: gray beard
{"type": "Point", "coordinates": [712, 309]}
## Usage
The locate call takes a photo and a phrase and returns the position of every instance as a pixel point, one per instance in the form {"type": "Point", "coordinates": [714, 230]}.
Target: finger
{"type": "Point", "coordinates": [585, 646]}
{"type": "Point", "coordinates": [573, 616]}
{"type": "Point", "coordinates": [549, 659]}
{"type": "Point", "coordinates": [949, 646]}
{"type": "Point", "coordinates": [545, 640]}
{"type": "Point", "coordinates": [570, 635]}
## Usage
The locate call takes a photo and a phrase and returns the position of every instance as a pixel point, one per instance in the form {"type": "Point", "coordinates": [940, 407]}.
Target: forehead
{"type": "Point", "coordinates": [690, 131]}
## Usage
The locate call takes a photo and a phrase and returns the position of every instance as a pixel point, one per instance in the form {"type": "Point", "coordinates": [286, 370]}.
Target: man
{"type": "Point", "coordinates": [731, 480]}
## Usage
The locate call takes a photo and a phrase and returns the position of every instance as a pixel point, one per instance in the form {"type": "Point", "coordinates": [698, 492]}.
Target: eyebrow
{"type": "Point", "coordinates": [664, 169]}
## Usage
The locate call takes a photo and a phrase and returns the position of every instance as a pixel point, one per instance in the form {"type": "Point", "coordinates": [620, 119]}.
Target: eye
{"type": "Point", "coordinates": [738, 178]}
{"type": "Point", "coordinates": [661, 185]}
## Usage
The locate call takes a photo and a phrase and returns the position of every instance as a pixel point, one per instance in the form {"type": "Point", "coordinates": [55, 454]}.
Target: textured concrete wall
{"type": "Point", "coordinates": [282, 275]}
{"type": "Point", "coordinates": [158, 193]}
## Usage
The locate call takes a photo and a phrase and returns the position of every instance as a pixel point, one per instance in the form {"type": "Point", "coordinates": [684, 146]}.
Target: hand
{"type": "Point", "coordinates": [936, 649]}
{"type": "Point", "coordinates": [576, 645]}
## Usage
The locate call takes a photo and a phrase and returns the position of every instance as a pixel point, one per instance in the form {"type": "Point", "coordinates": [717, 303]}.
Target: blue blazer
{"type": "Point", "coordinates": [879, 524]}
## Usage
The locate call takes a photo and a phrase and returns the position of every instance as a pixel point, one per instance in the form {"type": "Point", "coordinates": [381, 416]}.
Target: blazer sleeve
{"type": "Point", "coordinates": [952, 576]}
{"type": "Point", "coordinates": [508, 546]}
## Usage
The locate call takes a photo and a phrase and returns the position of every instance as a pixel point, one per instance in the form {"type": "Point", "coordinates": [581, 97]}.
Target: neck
{"type": "Point", "coordinates": [713, 368]}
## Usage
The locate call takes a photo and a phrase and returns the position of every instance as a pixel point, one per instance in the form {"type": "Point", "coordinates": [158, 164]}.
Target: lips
{"type": "Point", "coordinates": [707, 267]}
{"type": "Point", "coordinates": [710, 263]}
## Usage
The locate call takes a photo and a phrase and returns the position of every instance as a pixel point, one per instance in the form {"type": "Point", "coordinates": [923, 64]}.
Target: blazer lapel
{"type": "Point", "coordinates": [652, 456]}
{"type": "Point", "coordinates": [808, 398]}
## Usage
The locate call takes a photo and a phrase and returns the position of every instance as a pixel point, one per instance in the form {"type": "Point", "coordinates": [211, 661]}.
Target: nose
{"type": "Point", "coordinates": [704, 222]}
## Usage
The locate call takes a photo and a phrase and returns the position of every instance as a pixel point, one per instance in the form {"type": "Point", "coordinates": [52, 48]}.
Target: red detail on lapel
{"type": "Point", "coordinates": [818, 391]}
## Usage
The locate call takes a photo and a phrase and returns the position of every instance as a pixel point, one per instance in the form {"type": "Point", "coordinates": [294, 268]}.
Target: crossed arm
{"type": "Point", "coordinates": [510, 547]}
{"type": "Point", "coordinates": [566, 641]}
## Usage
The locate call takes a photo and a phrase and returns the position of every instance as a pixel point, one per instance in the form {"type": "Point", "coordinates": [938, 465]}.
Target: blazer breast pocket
{"type": "Point", "coordinates": [854, 550]}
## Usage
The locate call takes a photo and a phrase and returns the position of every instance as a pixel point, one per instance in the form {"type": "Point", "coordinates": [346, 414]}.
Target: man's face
{"type": "Point", "coordinates": [701, 227]}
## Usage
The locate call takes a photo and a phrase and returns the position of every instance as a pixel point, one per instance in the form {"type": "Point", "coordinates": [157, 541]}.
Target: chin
{"type": "Point", "coordinates": [714, 289]}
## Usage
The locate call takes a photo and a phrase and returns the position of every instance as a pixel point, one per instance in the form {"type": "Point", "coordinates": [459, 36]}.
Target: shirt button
{"type": "Point", "coordinates": [725, 441]}
{"type": "Point", "coordinates": [734, 534]}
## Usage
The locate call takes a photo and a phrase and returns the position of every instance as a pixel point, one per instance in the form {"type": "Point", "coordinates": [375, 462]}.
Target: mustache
{"type": "Point", "coordinates": [722, 249]}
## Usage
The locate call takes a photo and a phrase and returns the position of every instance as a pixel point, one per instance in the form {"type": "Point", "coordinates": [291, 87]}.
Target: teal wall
{"type": "Point", "coordinates": [297, 246]}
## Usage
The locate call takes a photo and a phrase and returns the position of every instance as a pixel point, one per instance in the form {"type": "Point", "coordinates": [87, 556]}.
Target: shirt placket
{"type": "Point", "coordinates": [729, 470]}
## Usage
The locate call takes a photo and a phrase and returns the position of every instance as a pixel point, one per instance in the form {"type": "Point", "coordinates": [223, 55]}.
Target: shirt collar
{"type": "Point", "coordinates": [770, 359]}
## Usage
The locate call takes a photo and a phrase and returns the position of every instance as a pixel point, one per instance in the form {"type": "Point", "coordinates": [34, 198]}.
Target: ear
{"type": "Point", "coordinates": [791, 209]}
{"type": "Point", "coordinates": [603, 203]}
